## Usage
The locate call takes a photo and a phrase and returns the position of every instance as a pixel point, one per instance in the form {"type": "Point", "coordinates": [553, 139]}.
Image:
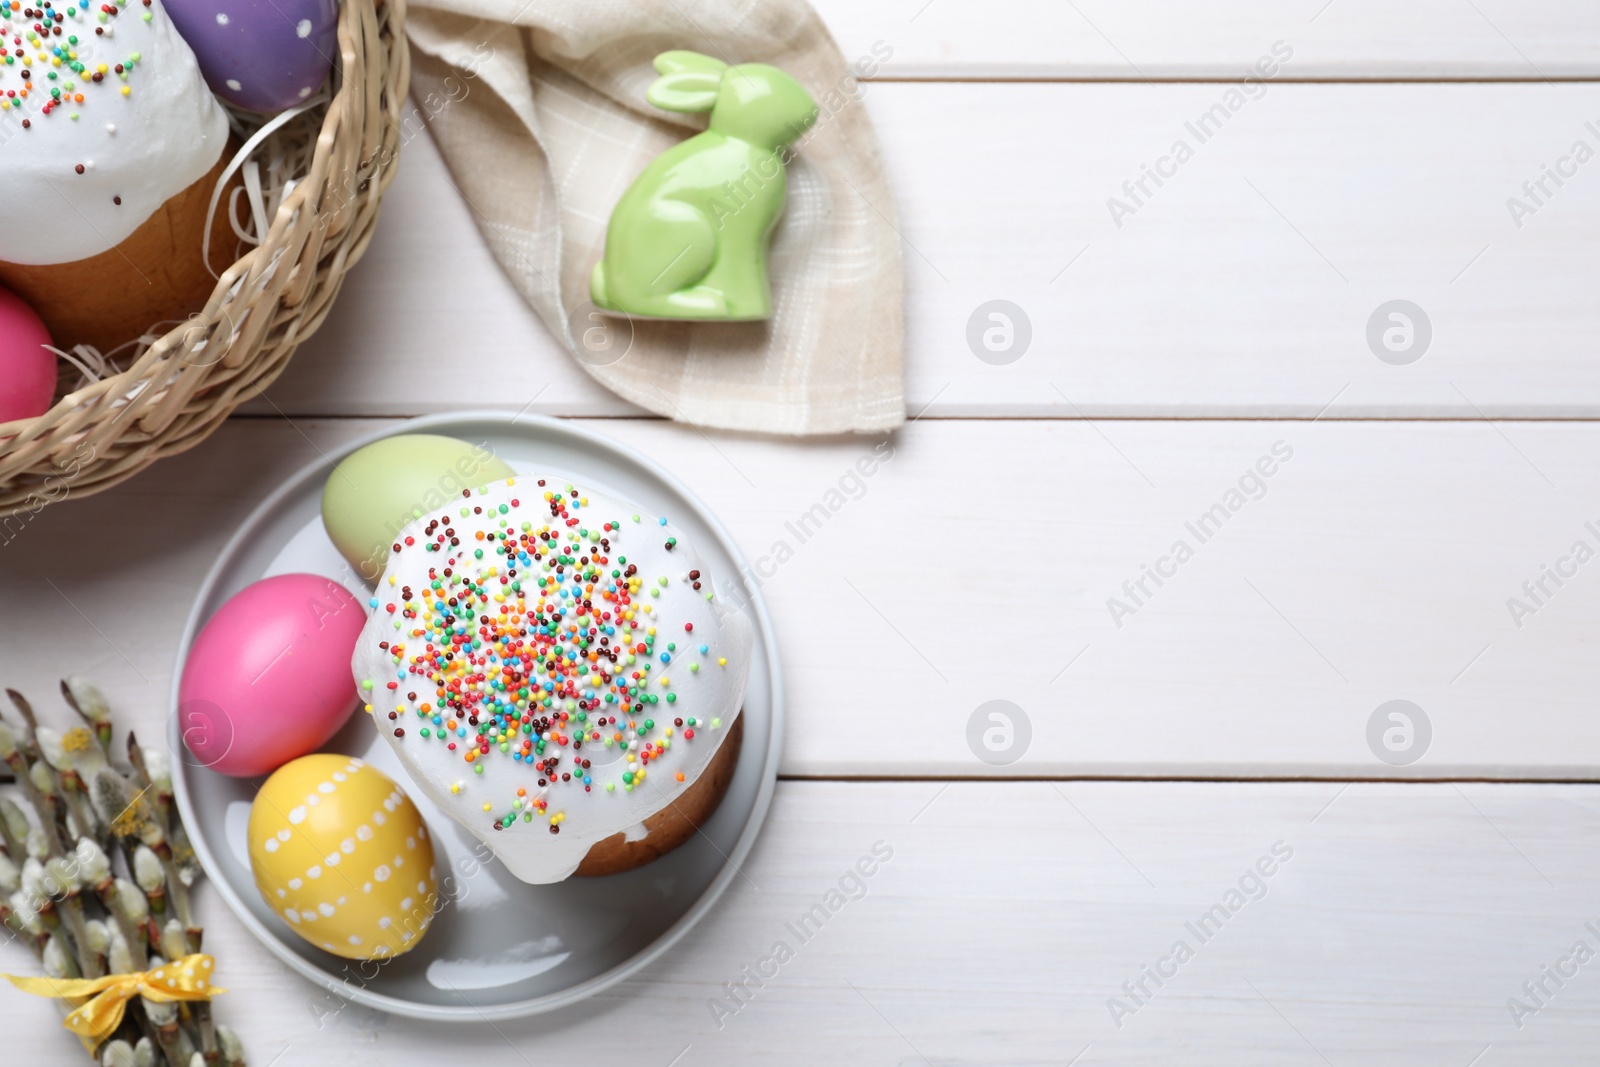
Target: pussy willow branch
{"type": "Point", "coordinates": [61, 895]}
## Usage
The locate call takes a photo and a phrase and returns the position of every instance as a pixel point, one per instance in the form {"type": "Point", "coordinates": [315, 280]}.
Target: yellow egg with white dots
{"type": "Point", "coordinates": [342, 855]}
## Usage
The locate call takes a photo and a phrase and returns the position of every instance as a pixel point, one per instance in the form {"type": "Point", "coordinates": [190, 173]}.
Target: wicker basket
{"type": "Point", "coordinates": [176, 392]}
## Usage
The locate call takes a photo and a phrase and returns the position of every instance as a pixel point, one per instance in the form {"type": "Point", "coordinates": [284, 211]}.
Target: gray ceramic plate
{"type": "Point", "coordinates": [501, 948]}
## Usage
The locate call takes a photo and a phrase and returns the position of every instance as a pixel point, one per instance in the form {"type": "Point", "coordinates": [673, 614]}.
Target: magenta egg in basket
{"type": "Point", "coordinates": [27, 367]}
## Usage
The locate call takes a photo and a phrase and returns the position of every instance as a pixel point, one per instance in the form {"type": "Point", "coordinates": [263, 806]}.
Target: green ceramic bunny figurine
{"type": "Point", "coordinates": [688, 240]}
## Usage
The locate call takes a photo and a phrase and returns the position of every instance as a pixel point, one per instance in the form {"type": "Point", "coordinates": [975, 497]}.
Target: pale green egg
{"type": "Point", "coordinates": [377, 491]}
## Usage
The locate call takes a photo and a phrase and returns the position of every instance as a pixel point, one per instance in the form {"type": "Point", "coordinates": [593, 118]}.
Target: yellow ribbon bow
{"type": "Point", "coordinates": [185, 979]}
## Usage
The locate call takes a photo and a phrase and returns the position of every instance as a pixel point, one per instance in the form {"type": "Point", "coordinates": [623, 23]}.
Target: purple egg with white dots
{"type": "Point", "coordinates": [261, 55]}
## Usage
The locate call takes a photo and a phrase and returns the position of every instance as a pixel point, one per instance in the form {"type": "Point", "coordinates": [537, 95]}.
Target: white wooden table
{"type": "Point", "coordinates": [1212, 726]}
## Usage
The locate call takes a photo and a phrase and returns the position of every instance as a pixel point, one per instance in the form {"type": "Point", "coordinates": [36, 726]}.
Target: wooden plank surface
{"type": "Point", "coordinates": [1395, 925]}
{"type": "Point", "coordinates": [1011, 560]}
{"type": "Point", "coordinates": [1243, 286]}
{"type": "Point", "coordinates": [1192, 39]}
{"type": "Point", "coordinates": [1017, 921]}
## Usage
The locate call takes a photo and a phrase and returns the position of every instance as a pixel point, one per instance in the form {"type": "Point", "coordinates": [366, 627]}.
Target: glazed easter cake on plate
{"type": "Point", "coordinates": [554, 670]}
{"type": "Point", "coordinates": [549, 666]}
{"type": "Point", "coordinates": [568, 671]}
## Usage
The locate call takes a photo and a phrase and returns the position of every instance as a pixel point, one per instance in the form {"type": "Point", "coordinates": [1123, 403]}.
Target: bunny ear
{"type": "Point", "coordinates": [685, 90]}
{"type": "Point", "coordinates": [680, 61]}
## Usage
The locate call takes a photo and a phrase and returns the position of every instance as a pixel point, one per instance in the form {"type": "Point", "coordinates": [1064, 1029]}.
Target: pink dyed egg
{"type": "Point", "coordinates": [268, 678]}
{"type": "Point", "coordinates": [27, 368]}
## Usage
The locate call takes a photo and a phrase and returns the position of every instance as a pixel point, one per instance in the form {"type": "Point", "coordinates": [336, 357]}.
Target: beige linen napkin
{"type": "Point", "coordinates": [539, 109]}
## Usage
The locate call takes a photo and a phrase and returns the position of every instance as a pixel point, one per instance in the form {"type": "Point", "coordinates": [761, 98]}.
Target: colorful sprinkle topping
{"type": "Point", "coordinates": [532, 642]}
{"type": "Point", "coordinates": [49, 60]}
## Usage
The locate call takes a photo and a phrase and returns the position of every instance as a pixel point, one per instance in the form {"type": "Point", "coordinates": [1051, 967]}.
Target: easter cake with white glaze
{"type": "Point", "coordinates": [554, 670]}
{"type": "Point", "coordinates": [110, 147]}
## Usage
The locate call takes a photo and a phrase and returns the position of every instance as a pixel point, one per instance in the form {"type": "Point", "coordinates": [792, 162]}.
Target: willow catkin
{"type": "Point", "coordinates": [118, 1054]}
{"type": "Point", "coordinates": [57, 960]}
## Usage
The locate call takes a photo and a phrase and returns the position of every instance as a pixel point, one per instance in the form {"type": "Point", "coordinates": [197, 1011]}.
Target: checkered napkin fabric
{"type": "Point", "coordinates": [539, 109]}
